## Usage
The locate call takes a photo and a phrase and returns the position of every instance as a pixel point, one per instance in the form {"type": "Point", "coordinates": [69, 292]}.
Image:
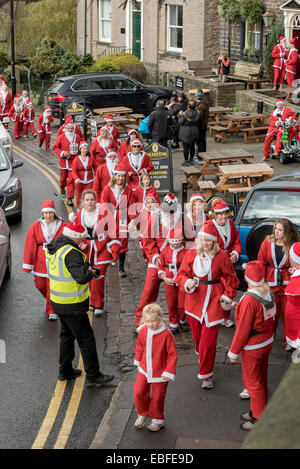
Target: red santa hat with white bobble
{"type": "Point", "coordinates": [295, 253]}
{"type": "Point", "coordinates": [48, 206]}
{"type": "Point", "coordinates": [75, 230]}
{"type": "Point", "coordinates": [219, 206]}
{"type": "Point", "coordinates": [255, 273]}
{"type": "Point", "coordinates": [208, 231]}
{"type": "Point", "coordinates": [109, 117]}
{"type": "Point", "coordinates": [175, 236]}
{"type": "Point", "coordinates": [136, 141]}
{"type": "Point", "coordinates": [119, 170]}
{"type": "Point", "coordinates": [197, 197]}
{"type": "Point", "coordinates": [82, 144]}
{"type": "Point", "coordinates": [281, 39]}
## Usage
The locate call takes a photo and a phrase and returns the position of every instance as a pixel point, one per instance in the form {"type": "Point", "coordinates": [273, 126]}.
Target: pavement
{"type": "Point", "coordinates": [195, 418]}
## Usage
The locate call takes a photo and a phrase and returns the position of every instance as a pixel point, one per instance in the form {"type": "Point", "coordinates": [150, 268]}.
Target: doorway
{"type": "Point", "coordinates": [136, 29]}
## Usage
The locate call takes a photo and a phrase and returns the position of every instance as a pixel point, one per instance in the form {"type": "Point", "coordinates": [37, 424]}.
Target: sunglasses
{"type": "Point", "coordinates": [136, 146]}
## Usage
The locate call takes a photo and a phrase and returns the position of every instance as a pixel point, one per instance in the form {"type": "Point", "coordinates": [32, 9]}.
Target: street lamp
{"type": "Point", "coordinates": [268, 17]}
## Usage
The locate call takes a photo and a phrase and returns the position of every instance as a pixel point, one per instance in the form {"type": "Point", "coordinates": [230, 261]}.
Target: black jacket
{"type": "Point", "coordinates": [188, 122]}
{"type": "Point", "coordinates": [160, 123]}
{"type": "Point", "coordinates": [79, 271]}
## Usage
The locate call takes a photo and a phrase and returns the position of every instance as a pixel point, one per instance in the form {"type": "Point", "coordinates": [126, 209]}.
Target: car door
{"type": "Point", "coordinates": [102, 93]}
{"type": "Point", "coordinates": [130, 93]}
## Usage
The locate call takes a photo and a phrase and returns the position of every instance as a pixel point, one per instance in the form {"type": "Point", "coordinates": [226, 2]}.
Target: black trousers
{"type": "Point", "coordinates": [188, 151]}
{"type": "Point", "coordinates": [201, 141]}
{"type": "Point", "coordinates": [78, 327]}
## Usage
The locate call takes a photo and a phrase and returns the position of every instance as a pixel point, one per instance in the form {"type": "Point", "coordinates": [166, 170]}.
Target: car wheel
{"type": "Point", "coordinates": [256, 236]}
{"type": "Point", "coordinates": [283, 158]}
{"type": "Point", "coordinates": [9, 263]}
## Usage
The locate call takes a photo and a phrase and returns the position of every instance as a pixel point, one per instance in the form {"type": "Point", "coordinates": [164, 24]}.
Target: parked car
{"type": "Point", "coordinates": [6, 141]}
{"type": "Point", "coordinates": [5, 248]}
{"type": "Point", "coordinates": [278, 197]}
{"type": "Point", "coordinates": [104, 90]}
{"type": "Point", "coordinates": [10, 186]}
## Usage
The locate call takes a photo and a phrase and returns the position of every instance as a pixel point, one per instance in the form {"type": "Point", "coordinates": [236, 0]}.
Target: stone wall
{"type": "Point", "coordinates": [247, 100]}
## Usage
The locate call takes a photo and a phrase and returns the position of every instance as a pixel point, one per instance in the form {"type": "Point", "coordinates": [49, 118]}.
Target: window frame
{"type": "Point", "coordinates": [101, 20]}
{"type": "Point", "coordinates": [169, 27]}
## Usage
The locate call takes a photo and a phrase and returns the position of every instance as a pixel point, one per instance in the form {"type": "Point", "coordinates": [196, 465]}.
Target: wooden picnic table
{"type": "Point", "coordinates": [251, 124]}
{"type": "Point", "coordinates": [246, 176]}
{"type": "Point", "coordinates": [113, 110]}
{"type": "Point", "coordinates": [238, 120]}
{"type": "Point", "coordinates": [216, 112]}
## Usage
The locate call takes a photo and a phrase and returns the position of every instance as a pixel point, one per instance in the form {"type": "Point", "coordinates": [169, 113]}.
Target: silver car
{"type": "Point", "coordinates": [5, 248]}
{"type": "Point", "coordinates": [6, 141]}
{"type": "Point", "coordinates": [10, 186]}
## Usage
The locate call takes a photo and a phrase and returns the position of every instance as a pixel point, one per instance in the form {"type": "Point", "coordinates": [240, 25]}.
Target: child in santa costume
{"type": "Point", "coordinates": [210, 284]}
{"type": "Point", "coordinates": [291, 62]}
{"type": "Point", "coordinates": [44, 127]}
{"type": "Point", "coordinates": [279, 114]}
{"type": "Point", "coordinates": [83, 171]}
{"type": "Point", "coordinates": [292, 311]}
{"type": "Point", "coordinates": [25, 98]}
{"type": "Point", "coordinates": [6, 103]}
{"type": "Point", "coordinates": [16, 115]}
{"type": "Point", "coordinates": [116, 198]}
{"type": "Point", "coordinates": [170, 261]}
{"type": "Point", "coordinates": [195, 218]}
{"type": "Point", "coordinates": [68, 119]}
{"type": "Point", "coordinates": [104, 173]}
{"type": "Point", "coordinates": [253, 339]}
{"type": "Point", "coordinates": [113, 130]}
{"type": "Point", "coordinates": [28, 118]}
{"type": "Point", "coordinates": [279, 54]}
{"type": "Point", "coordinates": [66, 148]}
{"type": "Point", "coordinates": [144, 190]}
{"type": "Point", "coordinates": [154, 240]}
{"type": "Point", "coordinates": [135, 163]}
{"type": "Point", "coordinates": [102, 144]}
{"type": "Point", "coordinates": [156, 358]}
{"type": "Point", "coordinates": [125, 146]}
{"type": "Point", "coordinates": [40, 233]}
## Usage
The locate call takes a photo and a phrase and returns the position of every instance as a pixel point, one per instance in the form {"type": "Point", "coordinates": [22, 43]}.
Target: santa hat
{"type": "Point", "coordinates": [24, 91]}
{"type": "Point", "coordinates": [281, 39]}
{"type": "Point", "coordinates": [82, 144]}
{"type": "Point", "coordinates": [175, 236]}
{"type": "Point", "coordinates": [48, 206]}
{"type": "Point", "coordinates": [17, 95]}
{"type": "Point", "coordinates": [109, 117]}
{"type": "Point", "coordinates": [197, 197]}
{"type": "Point", "coordinates": [208, 231]}
{"type": "Point", "coordinates": [292, 41]}
{"type": "Point", "coordinates": [131, 131]}
{"type": "Point", "coordinates": [279, 101]}
{"type": "Point", "coordinates": [68, 119]}
{"type": "Point", "coordinates": [29, 103]}
{"type": "Point", "coordinates": [47, 109]}
{"type": "Point", "coordinates": [149, 197]}
{"type": "Point", "coordinates": [169, 203]}
{"type": "Point", "coordinates": [219, 206]}
{"type": "Point", "coordinates": [110, 153]}
{"type": "Point", "coordinates": [69, 124]}
{"type": "Point", "coordinates": [119, 170]}
{"type": "Point", "coordinates": [136, 141]}
{"type": "Point", "coordinates": [295, 253]}
{"type": "Point", "coordinates": [75, 230]}
{"type": "Point", "coordinates": [255, 273]}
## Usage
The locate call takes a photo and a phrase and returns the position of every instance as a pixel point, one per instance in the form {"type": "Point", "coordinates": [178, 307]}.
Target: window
{"type": "Point", "coordinates": [123, 83]}
{"type": "Point", "coordinates": [79, 85]}
{"type": "Point", "coordinates": [174, 27]}
{"type": "Point", "coordinates": [296, 22]}
{"type": "Point", "coordinates": [104, 9]}
{"type": "Point", "coordinates": [94, 83]}
{"type": "Point", "coordinates": [256, 37]}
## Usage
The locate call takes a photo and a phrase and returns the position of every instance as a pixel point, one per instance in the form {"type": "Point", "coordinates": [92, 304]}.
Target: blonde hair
{"type": "Point", "coordinates": [142, 177]}
{"type": "Point", "coordinates": [262, 289]}
{"type": "Point", "coordinates": [214, 250]}
{"type": "Point", "coordinates": [113, 181]}
{"type": "Point", "coordinates": [291, 235]}
{"type": "Point", "coordinates": [154, 311]}
{"type": "Point", "coordinates": [190, 205]}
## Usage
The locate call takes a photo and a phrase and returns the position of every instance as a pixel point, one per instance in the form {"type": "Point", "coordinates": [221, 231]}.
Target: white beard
{"type": "Point", "coordinates": [70, 136]}
{"type": "Point", "coordinates": [165, 219]}
{"type": "Point", "coordinates": [103, 143]}
{"type": "Point", "coordinates": [111, 164]}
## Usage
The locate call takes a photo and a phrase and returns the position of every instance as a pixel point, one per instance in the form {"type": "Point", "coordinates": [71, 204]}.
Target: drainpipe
{"type": "Point", "coordinates": [85, 26]}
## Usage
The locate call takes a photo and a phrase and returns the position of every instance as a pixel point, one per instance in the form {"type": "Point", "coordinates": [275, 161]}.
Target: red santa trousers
{"type": "Point", "coordinates": [44, 137]}
{"type": "Point", "coordinates": [279, 76]}
{"type": "Point", "coordinates": [18, 127]}
{"type": "Point", "coordinates": [175, 302]}
{"type": "Point", "coordinates": [255, 377]}
{"type": "Point", "coordinates": [31, 126]}
{"type": "Point", "coordinates": [153, 406]}
{"type": "Point", "coordinates": [290, 77]}
{"type": "Point", "coordinates": [150, 293]}
{"type": "Point", "coordinates": [206, 345]}
{"type": "Point", "coordinates": [280, 301]}
{"type": "Point", "coordinates": [79, 188]}
{"type": "Point", "coordinates": [66, 180]}
{"type": "Point", "coordinates": [42, 285]}
{"type": "Point", "coordinates": [97, 288]}
{"type": "Point", "coordinates": [268, 140]}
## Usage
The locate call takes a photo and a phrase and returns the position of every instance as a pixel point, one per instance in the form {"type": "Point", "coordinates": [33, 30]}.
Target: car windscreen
{"type": "Point", "coordinates": [3, 160]}
{"type": "Point", "coordinates": [55, 88]}
{"type": "Point", "coordinates": [272, 204]}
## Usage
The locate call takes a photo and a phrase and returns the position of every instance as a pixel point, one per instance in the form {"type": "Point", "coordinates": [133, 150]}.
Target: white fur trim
{"type": "Point", "coordinates": [294, 256]}
{"type": "Point", "coordinates": [256, 284]}
{"type": "Point", "coordinates": [232, 355]}
{"type": "Point", "coordinates": [73, 234]}
{"type": "Point", "coordinates": [168, 375]}
{"type": "Point", "coordinates": [72, 216]}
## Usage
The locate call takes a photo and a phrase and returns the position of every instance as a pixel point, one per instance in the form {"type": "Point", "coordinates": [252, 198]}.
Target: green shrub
{"type": "Point", "coordinates": [137, 72]}
{"type": "Point", "coordinates": [114, 63]}
{"type": "Point", "coordinates": [3, 60]}
{"type": "Point", "coordinates": [104, 66]}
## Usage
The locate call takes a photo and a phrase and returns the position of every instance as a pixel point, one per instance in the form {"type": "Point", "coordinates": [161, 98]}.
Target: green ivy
{"type": "Point", "coordinates": [251, 11]}
{"type": "Point", "coordinates": [229, 9]}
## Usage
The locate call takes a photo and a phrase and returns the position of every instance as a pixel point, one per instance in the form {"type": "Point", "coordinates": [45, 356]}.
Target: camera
{"type": "Point", "coordinates": [96, 272]}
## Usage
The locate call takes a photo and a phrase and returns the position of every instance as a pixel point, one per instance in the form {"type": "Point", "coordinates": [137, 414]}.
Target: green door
{"type": "Point", "coordinates": [136, 33]}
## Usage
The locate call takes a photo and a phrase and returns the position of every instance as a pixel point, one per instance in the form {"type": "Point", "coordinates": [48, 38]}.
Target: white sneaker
{"type": "Point", "coordinates": [244, 394]}
{"type": "Point", "coordinates": [228, 323]}
{"type": "Point", "coordinates": [155, 425]}
{"type": "Point", "coordinates": [207, 384]}
{"type": "Point", "coordinates": [53, 317]}
{"type": "Point", "coordinates": [140, 421]}
{"type": "Point", "coordinates": [288, 348]}
{"type": "Point", "coordinates": [98, 311]}
{"type": "Point", "coordinates": [91, 308]}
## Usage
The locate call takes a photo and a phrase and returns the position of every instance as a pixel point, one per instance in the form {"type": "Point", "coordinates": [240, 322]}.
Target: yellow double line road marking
{"type": "Point", "coordinates": [59, 391]}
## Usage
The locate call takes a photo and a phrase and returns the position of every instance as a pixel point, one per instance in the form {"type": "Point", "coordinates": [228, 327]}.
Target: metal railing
{"type": "Point", "coordinates": [115, 50]}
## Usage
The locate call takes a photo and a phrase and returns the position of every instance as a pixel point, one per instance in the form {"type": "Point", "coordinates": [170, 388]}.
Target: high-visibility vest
{"type": "Point", "coordinates": [63, 288]}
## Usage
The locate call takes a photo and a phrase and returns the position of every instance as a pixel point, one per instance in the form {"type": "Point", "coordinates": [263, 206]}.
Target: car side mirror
{"type": "Point", "coordinates": [17, 164]}
{"type": "Point", "coordinates": [3, 240]}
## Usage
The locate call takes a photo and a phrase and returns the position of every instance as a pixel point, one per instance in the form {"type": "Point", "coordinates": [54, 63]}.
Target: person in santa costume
{"type": "Point", "coordinates": [135, 163]}
{"type": "Point", "coordinates": [170, 261]}
{"type": "Point", "coordinates": [44, 127]}
{"type": "Point", "coordinates": [154, 240]}
{"type": "Point", "coordinates": [155, 358]}
{"type": "Point", "coordinates": [16, 115]}
{"type": "Point", "coordinates": [68, 119]}
{"type": "Point", "coordinates": [274, 254]}
{"type": "Point", "coordinates": [125, 146]}
{"type": "Point", "coordinates": [253, 339]}
{"type": "Point", "coordinates": [102, 144]}
{"type": "Point", "coordinates": [280, 113]}
{"type": "Point", "coordinates": [210, 284]}
{"type": "Point", "coordinates": [66, 148]}
{"type": "Point", "coordinates": [113, 130]}
{"type": "Point", "coordinates": [28, 119]}
{"type": "Point", "coordinates": [227, 237]}
{"type": "Point", "coordinates": [104, 173]}
{"type": "Point", "coordinates": [6, 103]}
{"type": "Point", "coordinates": [41, 232]}
{"type": "Point", "coordinates": [291, 62]}
{"type": "Point", "coordinates": [2, 82]}
{"type": "Point", "coordinates": [96, 247]}
{"type": "Point", "coordinates": [279, 54]}
{"type": "Point", "coordinates": [83, 171]}
{"type": "Point", "coordinates": [144, 190]}
{"type": "Point", "coordinates": [25, 98]}
{"type": "Point", "coordinates": [116, 198]}
{"type": "Point", "coordinates": [194, 218]}
{"type": "Point", "coordinates": [292, 310]}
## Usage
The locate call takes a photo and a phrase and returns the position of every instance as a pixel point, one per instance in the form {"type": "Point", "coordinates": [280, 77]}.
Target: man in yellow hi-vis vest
{"type": "Point", "coordinates": [69, 294]}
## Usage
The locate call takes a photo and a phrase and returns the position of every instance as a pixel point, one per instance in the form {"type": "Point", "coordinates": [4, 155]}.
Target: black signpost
{"type": "Point", "coordinates": [78, 113]}
{"type": "Point", "coordinates": [162, 174]}
{"type": "Point", "coordinates": [179, 83]}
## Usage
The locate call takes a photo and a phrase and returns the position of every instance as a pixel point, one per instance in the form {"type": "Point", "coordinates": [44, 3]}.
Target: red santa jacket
{"type": "Point", "coordinates": [44, 123]}
{"type": "Point", "coordinates": [203, 302]}
{"type": "Point", "coordinates": [125, 148]}
{"type": "Point", "coordinates": [141, 193]}
{"type": "Point", "coordinates": [28, 115]}
{"type": "Point", "coordinates": [144, 165]}
{"type": "Point", "coordinates": [273, 270]}
{"type": "Point", "coordinates": [78, 131]}
{"type": "Point", "coordinates": [286, 113]}
{"type": "Point", "coordinates": [279, 54]}
{"type": "Point", "coordinates": [254, 325]}
{"type": "Point", "coordinates": [291, 61]}
{"type": "Point", "coordinates": [63, 144]}
{"type": "Point", "coordinates": [230, 242]}
{"type": "Point", "coordinates": [190, 229]}
{"type": "Point", "coordinates": [5, 104]}
{"type": "Point", "coordinates": [156, 354]}
{"type": "Point", "coordinates": [99, 153]}
{"type": "Point", "coordinates": [292, 310]}
{"type": "Point", "coordinates": [170, 261]}
{"type": "Point", "coordinates": [35, 245]}
{"type": "Point", "coordinates": [102, 178]}
{"type": "Point", "coordinates": [114, 133]}
{"type": "Point", "coordinates": [84, 171]}
{"type": "Point", "coordinates": [16, 114]}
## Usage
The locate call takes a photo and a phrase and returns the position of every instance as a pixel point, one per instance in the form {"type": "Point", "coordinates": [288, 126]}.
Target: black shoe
{"type": "Point", "coordinates": [122, 273]}
{"type": "Point", "coordinates": [70, 202]}
{"type": "Point", "coordinates": [69, 376]}
{"type": "Point", "coordinates": [100, 381]}
{"type": "Point", "coordinates": [185, 163]}
{"type": "Point", "coordinates": [63, 193]}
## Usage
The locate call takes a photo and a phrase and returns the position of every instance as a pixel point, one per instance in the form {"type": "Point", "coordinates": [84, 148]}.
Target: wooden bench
{"type": "Point", "coordinates": [257, 133]}
{"type": "Point", "coordinates": [207, 188]}
{"type": "Point", "coordinates": [219, 132]}
{"type": "Point", "coordinates": [248, 72]}
{"type": "Point", "coordinates": [192, 174]}
{"type": "Point", "coordinates": [216, 123]}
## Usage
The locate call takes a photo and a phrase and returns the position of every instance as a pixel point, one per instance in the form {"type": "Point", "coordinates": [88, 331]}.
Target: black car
{"type": "Point", "coordinates": [10, 186]}
{"type": "Point", "coordinates": [104, 90]}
